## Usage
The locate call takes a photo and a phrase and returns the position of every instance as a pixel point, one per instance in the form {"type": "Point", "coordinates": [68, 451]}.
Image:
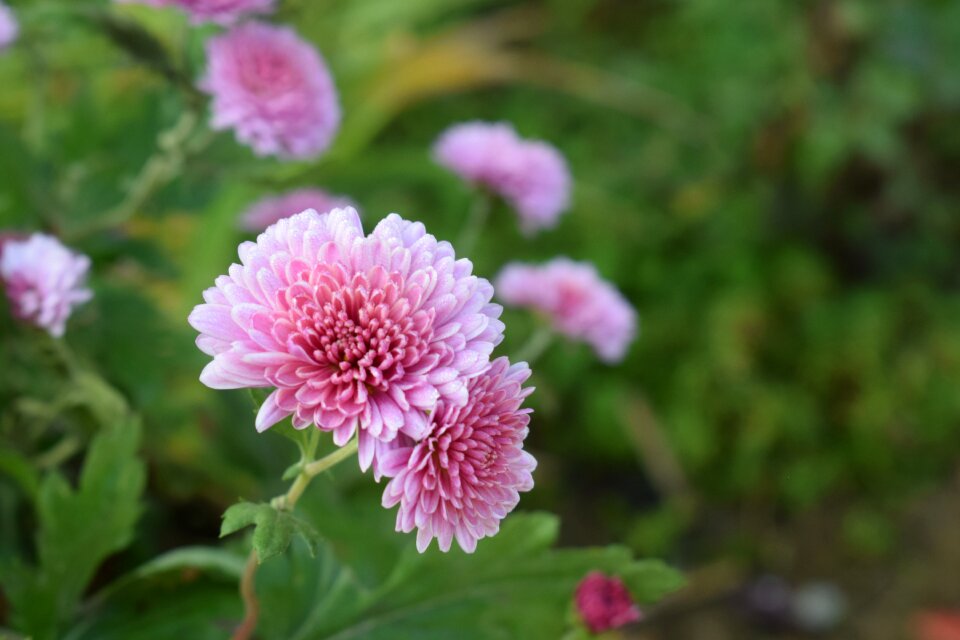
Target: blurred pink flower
{"type": "Point", "coordinates": [223, 12]}
{"type": "Point", "coordinates": [578, 302]}
{"type": "Point", "coordinates": [267, 211]}
{"type": "Point", "coordinates": [604, 603]}
{"type": "Point", "coordinates": [355, 332]}
{"type": "Point", "coordinates": [273, 89]}
{"type": "Point", "coordinates": [530, 175]}
{"type": "Point", "coordinates": [43, 280]}
{"type": "Point", "coordinates": [466, 475]}
{"type": "Point", "coordinates": [9, 28]}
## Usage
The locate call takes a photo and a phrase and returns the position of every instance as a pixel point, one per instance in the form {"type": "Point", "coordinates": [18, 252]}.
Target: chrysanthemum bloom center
{"type": "Point", "coordinates": [269, 72]}
{"type": "Point", "coordinates": [361, 333]}
{"type": "Point", "coordinates": [361, 330]}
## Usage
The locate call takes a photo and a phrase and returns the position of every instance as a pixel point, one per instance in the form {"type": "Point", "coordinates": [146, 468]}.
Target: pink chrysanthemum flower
{"type": "Point", "coordinates": [43, 280]}
{"type": "Point", "coordinates": [604, 603]}
{"type": "Point", "coordinates": [357, 333]}
{"type": "Point", "coordinates": [530, 175]}
{"type": "Point", "coordinates": [466, 475]}
{"type": "Point", "coordinates": [273, 89]}
{"type": "Point", "coordinates": [9, 27]}
{"type": "Point", "coordinates": [578, 302]}
{"type": "Point", "coordinates": [224, 12]}
{"type": "Point", "coordinates": [269, 210]}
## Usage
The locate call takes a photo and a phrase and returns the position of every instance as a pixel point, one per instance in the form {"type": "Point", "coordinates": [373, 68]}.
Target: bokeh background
{"type": "Point", "coordinates": [774, 185]}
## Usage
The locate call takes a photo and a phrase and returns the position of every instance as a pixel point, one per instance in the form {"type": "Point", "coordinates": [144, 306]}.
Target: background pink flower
{"type": "Point", "coordinates": [9, 28]}
{"type": "Point", "coordinates": [43, 280]}
{"type": "Point", "coordinates": [267, 211]}
{"type": "Point", "coordinates": [604, 603]}
{"type": "Point", "coordinates": [578, 302]}
{"type": "Point", "coordinates": [273, 89]}
{"type": "Point", "coordinates": [530, 175]}
{"type": "Point", "coordinates": [466, 475]}
{"type": "Point", "coordinates": [354, 331]}
{"type": "Point", "coordinates": [220, 11]}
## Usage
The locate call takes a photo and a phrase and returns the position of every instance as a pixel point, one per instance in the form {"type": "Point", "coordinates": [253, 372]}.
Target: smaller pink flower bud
{"type": "Point", "coordinates": [604, 603]}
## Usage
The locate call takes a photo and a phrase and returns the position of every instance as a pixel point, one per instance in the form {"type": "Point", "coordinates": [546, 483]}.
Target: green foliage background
{"type": "Point", "coordinates": [772, 183]}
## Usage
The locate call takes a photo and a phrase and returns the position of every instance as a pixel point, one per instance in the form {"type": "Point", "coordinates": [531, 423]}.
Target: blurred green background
{"type": "Point", "coordinates": [773, 183]}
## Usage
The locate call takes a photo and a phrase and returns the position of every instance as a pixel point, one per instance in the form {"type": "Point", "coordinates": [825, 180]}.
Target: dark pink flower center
{"type": "Point", "coordinates": [268, 72]}
{"type": "Point", "coordinates": [361, 332]}
{"type": "Point", "coordinates": [465, 449]}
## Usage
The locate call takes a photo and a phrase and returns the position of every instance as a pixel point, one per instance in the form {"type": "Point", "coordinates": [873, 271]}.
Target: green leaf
{"type": "Point", "coordinates": [20, 470]}
{"type": "Point", "coordinates": [516, 585]}
{"type": "Point", "coordinates": [77, 529]}
{"type": "Point", "coordinates": [651, 580]}
{"type": "Point", "coordinates": [238, 516]}
{"type": "Point", "coordinates": [274, 530]}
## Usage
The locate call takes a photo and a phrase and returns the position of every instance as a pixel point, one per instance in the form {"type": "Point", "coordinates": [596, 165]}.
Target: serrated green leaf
{"type": "Point", "coordinates": [274, 530]}
{"type": "Point", "coordinates": [77, 529]}
{"type": "Point", "coordinates": [515, 586]}
{"type": "Point", "coordinates": [238, 516]}
{"type": "Point", "coordinates": [650, 580]}
{"type": "Point", "coordinates": [272, 534]}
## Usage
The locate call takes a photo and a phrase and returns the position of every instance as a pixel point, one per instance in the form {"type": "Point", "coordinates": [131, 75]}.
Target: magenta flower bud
{"type": "Point", "coordinates": [604, 603]}
{"type": "Point", "coordinates": [273, 89]}
{"type": "Point", "coordinates": [577, 301]}
{"type": "Point", "coordinates": [43, 280]}
{"type": "Point", "coordinates": [530, 175]}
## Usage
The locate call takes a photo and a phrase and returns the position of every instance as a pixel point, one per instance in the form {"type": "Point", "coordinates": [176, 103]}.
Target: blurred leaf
{"type": "Point", "coordinates": [77, 529]}
{"type": "Point", "coordinates": [651, 580]}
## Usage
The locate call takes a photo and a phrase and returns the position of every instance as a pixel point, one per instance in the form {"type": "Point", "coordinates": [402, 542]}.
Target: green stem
{"type": "Point", "coordinates": [174, 146]}
{"type": "Point", "coordinates": [536, 345]}
{"type": "Point", "coordinates": [310, 471]}
{"type": "Point", "coordinates": [476, 220]}
{"type": "Point", "coordinates": [286, 501]}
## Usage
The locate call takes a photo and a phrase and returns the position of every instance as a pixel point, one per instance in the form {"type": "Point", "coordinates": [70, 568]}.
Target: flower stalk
{"type": "Point", "coordinates": [287, 501]}
{"type": "Point", "coordinates": [536, 345]}
{"type": "Point", "coordinates": [476, 221]}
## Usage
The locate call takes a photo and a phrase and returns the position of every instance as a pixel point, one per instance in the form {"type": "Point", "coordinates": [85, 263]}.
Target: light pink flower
{"type": "Point", "coordinates": [604, 603]}
{"type": "Point", "coordinates": [9, 27]}
{"type": "Point", "coordinates": [267, 211]}
{"type": "Point", "coordinates": [530, 175]}
{"type": "Point", "coordinates": [223, 12]}
{"type": "Point", "coordinates": [578, 302]}
{"type": "Point", "coordinates": [273, 89]}
{"type": "Point", "coordinates": [355, 332]}
{"type": "Point", "coordinates": [43, 280]}
{"type": "Point", "coordinates": [466, 475]}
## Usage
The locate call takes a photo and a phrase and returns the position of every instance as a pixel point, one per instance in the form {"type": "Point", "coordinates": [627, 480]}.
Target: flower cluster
{"type": "Point", "coordinates": [43, 280]}
{"type": "Point", "coordinates": [9, 28]}
{"type": "Point", "coordinates": [577, 301]}
{"type": "Point", "coordinates": [604, 603]}
{"type": "Point", "coordinates": [530, 175]}
{"type": "Point", "coordinates": [386, 336]}
{"type": "Point", "coordinates": [269, 210]}
{"type": "Point", "coordinates": [223, 12]}
{"type": "Point", "coordinates": [273, 89]}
